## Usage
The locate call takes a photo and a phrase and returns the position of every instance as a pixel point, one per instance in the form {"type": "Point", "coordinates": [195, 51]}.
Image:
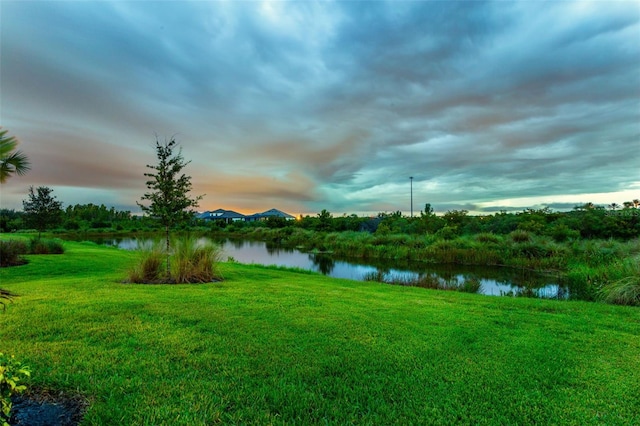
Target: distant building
{"type": "Point", "coordinates": [266, 215]}
{"type": "Point", "coordinates": [230, 216]}
{"type": "Point", "coordinates": [227, 216]}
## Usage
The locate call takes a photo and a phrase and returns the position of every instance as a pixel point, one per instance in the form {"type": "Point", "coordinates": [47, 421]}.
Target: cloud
{"type": "Point", "coordinates": [329, 104]}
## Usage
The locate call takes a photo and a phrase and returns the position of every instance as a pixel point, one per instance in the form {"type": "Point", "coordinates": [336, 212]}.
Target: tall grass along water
{"type": "Point", "coordinates": [495, 281]}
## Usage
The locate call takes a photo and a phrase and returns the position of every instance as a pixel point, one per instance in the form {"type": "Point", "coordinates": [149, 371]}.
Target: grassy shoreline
{"type": "Point", "coordinates": [586, 266]}
{"type": "Point", "coordinates": [270, 346]}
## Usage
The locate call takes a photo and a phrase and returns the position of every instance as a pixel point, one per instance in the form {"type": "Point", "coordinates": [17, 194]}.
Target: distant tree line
{"type": "Point", "coordinates": [584, 221]}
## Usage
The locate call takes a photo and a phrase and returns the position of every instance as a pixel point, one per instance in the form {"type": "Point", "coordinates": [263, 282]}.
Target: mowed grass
{"type": "Point", "coordinates": [270, 346]}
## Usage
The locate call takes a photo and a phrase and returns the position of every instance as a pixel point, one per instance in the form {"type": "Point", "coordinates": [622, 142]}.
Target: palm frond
{"type": "Point", "coordinates": [11, 161]}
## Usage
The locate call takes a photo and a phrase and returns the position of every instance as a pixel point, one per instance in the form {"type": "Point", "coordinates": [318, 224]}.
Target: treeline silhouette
{"type": "Point", "coordinates": [585, 221]}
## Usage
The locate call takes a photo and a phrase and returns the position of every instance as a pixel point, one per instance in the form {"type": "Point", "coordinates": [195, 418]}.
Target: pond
{"type": "Point", "coordinates": [494, 281]}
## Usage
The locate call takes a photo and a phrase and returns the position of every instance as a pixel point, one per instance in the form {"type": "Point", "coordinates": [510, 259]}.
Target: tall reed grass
{"type": "Point", "coordinates": [195, 261]}
{"type": "Point", "coordinates": [149, 268]}
{"type": "Point", "coordinates": [192, 261]}
{"type": "Point", "coordinates": [626, 290]}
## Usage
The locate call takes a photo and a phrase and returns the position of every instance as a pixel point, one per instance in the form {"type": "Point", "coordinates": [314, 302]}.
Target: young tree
{"type": "Point", "coordinates": [11, 161]}
{"type": "Point", "coordinates": [42, 210]}
{"type": "Point", "coordinates": [169, 188]}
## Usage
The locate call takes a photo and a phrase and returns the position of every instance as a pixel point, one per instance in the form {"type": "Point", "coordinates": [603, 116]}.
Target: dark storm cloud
{"type": "Point", "coordinates": [330, 104]}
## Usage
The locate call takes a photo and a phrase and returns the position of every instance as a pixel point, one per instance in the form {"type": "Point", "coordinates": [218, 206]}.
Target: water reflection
{"type": "Point", "coordinates": [323, 263]}
{"type": "Point", "coordinates": [496, 281]}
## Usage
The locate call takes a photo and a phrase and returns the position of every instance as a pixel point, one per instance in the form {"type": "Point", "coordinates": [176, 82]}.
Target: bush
{"type": "Point", "coordinates": [561, 233]}
{"type": "Point", "coordinates": [520, 236]}
{"type": "Point", "coordinates": [11, 373]}
{"type": "Point", "coordinates": [488, 238]}
{"type": "Point", "coordinates": [11, 252]}
{"type": "Point", "coordinates": [447, 233]}
{"type": "Point", "coordinates": [42, 246]}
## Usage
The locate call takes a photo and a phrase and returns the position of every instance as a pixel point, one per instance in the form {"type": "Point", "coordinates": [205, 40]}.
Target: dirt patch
{"type": "Point", "coordinates": [46, 408]}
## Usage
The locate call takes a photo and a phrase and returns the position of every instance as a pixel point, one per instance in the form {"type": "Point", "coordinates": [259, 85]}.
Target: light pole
{"type": "Point", "coordinates": [411, 180]}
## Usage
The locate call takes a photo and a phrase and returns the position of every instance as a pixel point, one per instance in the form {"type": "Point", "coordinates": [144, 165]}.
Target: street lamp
{"type": "Point", "coordinates": [411, 180]}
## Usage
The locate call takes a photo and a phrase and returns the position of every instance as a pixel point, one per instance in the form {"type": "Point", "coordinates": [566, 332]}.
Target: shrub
{"type": "Point", "coordinates": [11, 373]}
{"type": "Point", "coordinates": [488, 238]}
{"type": "Point", "coordinates": [520, 236]}
{"type": "Point", "coordinates": [11, 252]}
{"type": "Point", "coordinates": [447, 233]}
{"type": "Point", "coordinates": [561, 233]}
{"type": "Point", "coordinates": [45, 246]}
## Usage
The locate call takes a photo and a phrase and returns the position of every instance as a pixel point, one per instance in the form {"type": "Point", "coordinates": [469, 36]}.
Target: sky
{"type": "Point", "coordinates": [336, 105]}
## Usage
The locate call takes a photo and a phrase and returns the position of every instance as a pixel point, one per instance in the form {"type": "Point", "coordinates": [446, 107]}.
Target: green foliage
{"type": "Point", "coordinates": [488, 238]}
{"type": "Point", "coordinates": [586, 222]}
{"type": "Point", "coordinates": [324, 221]}
{"type": "Point", "coordinates": [520, 236]}
{"type": "Point", "coordinates": [45, 246]}
{"type": "Point", "coordinates": [447, 233]}
{"type": "Point", "coordinates": [269, 346]}
{"type": "Point", "coordinates": [42, 210]}
{"type": "Point", "coordinates": [84, 216]}
{"type": "Point", "coordinates": [5, 296]}
{"type": "Point", "coordinates": [12, 373]}
{"type": "Point", "coordinates": [11, 161]}
{"type": "Point", "coordinates": [456, 218]}
{"type": "Point", "coordinates": [561, 232]}
{"type": "Point", "coordinates": [10, 220]}
{"type": "Point", "coordinates": [169, 189]}
{"type": "Point", "coordinates": [149, 267]}
{"type": "Point", "coordinates": [625, 291]}
{"type": "Point", "coordinates": [192, 261]}
{"type": "Point", "coordinates": [11, 252]}
{"type": "Point", "coordinates": [195, 261]}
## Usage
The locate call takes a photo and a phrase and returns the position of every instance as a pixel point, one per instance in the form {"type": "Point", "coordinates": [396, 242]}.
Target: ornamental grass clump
{"type": "Point", "coordinates": [195, 261]}
{"type": "Point", "coordinates": [192, 261]}
{"type": "Point", "coordinates": [149, 268]}
{"type": "Point", "coordinates": [625, 291]}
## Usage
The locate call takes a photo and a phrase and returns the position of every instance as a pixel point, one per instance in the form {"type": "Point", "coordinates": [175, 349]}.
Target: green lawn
{"type": "Point", "coordinates": [268, 346]}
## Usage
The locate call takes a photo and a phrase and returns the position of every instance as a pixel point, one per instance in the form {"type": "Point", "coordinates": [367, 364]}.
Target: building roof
{"type": "Point", "coordinates": [221, 214]}
{"type": "Point", "coordinates": [230, 214]}
{"type": "Point", "coordinates": [275, 213]}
